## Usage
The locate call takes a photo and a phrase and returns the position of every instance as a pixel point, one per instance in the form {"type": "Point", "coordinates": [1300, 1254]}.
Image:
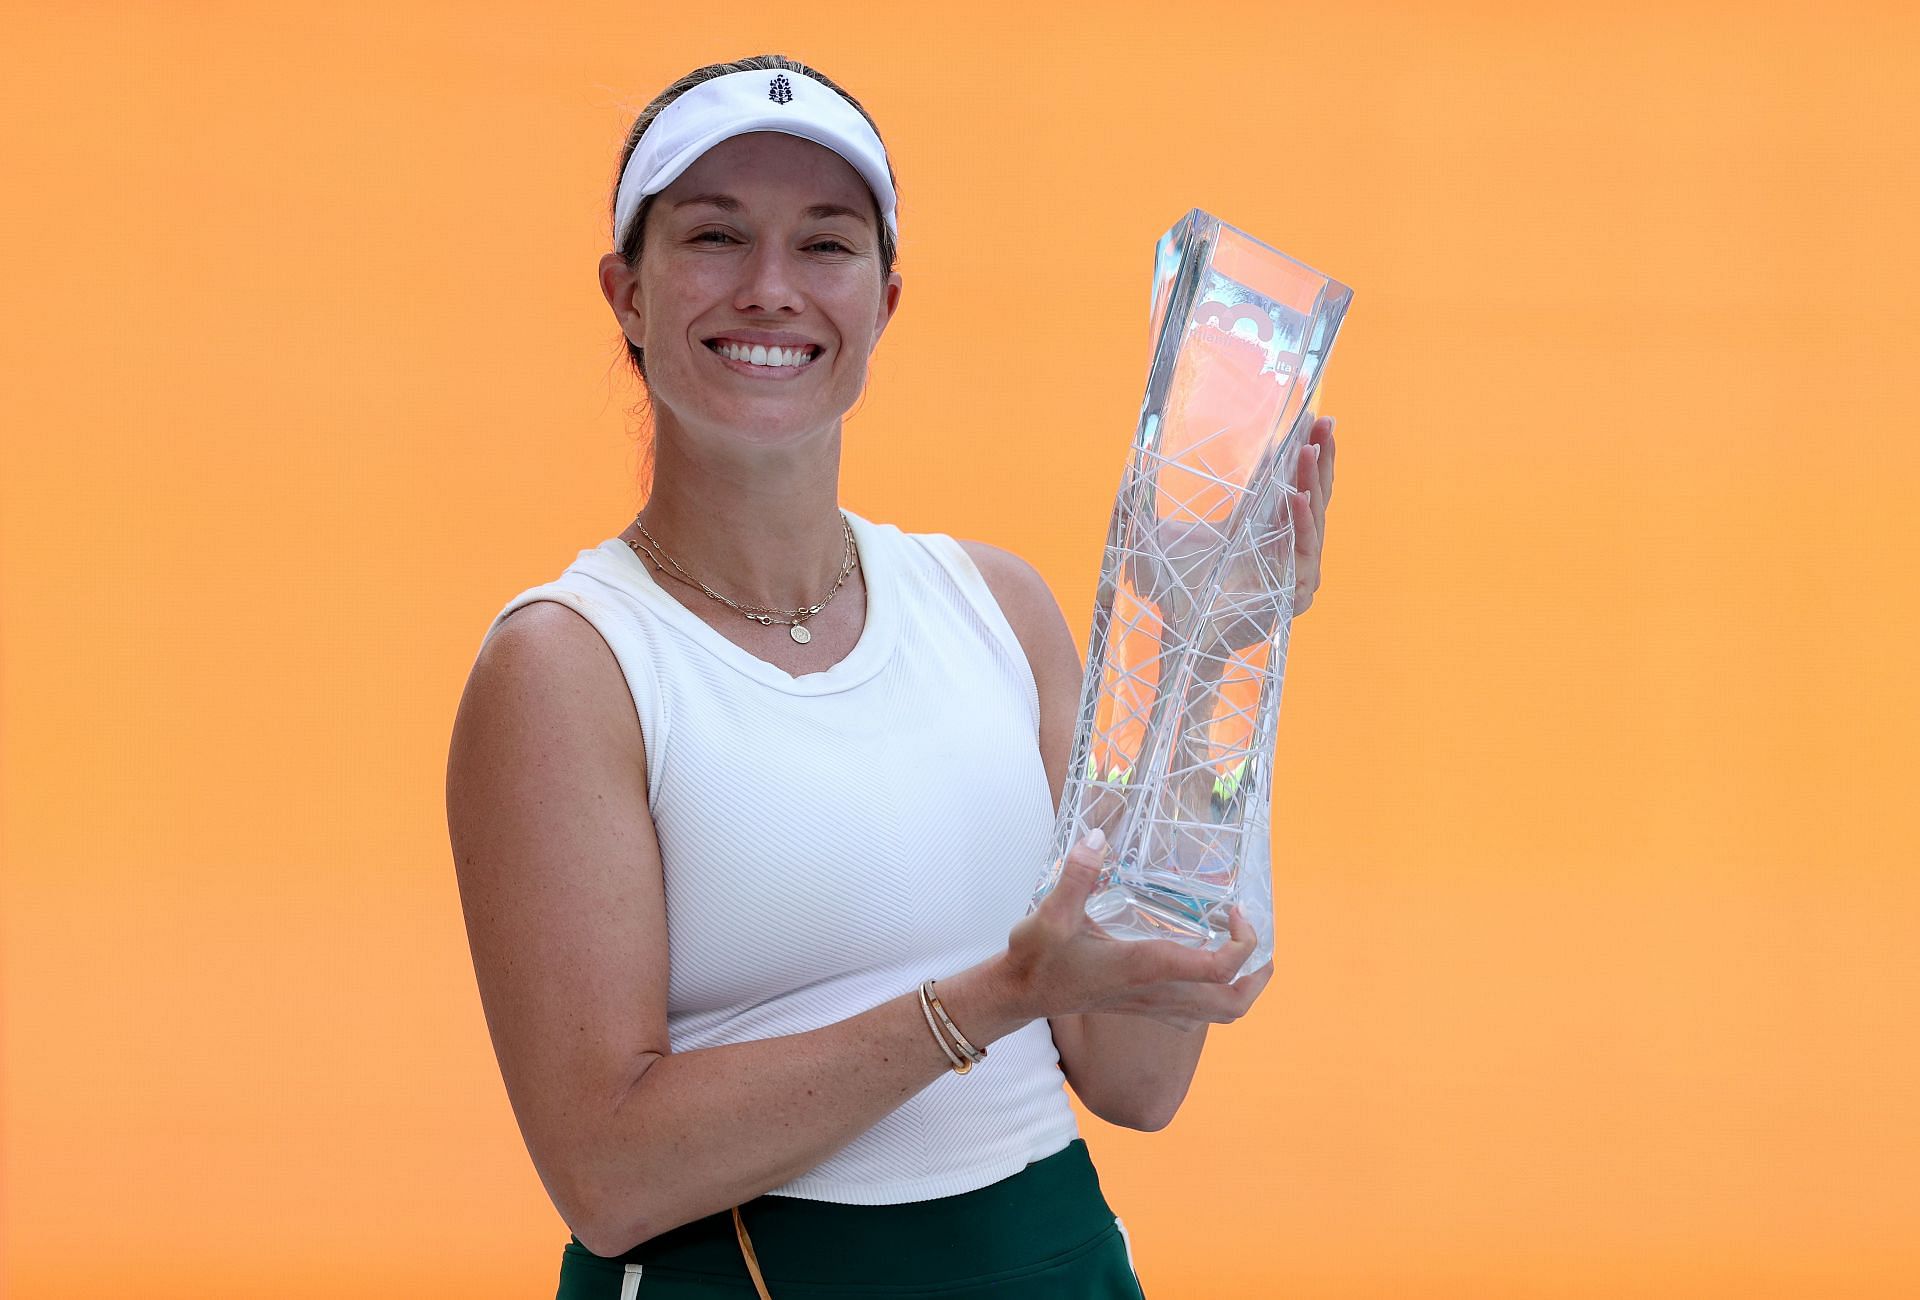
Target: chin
{"type": "Point", "coordinates": [770, 425]}
{"type": "Point", "coordinates": [753, 419]}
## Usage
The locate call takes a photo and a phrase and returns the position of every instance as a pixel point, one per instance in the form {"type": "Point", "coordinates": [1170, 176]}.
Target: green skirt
{"type": "Point", "coordinates": [1045, 1232]}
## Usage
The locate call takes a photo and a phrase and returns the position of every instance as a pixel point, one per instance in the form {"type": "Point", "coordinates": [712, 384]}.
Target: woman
{"type": "Point", "coordinates": [747, 804]}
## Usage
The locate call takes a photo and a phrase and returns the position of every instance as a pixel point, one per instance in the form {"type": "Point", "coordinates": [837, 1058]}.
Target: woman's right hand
{"type": "Point", "coordinates": [1061, 962]}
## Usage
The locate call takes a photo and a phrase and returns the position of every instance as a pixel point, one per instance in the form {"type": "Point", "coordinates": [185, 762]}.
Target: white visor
{"type": "Point", "coordinates": [764, 100]}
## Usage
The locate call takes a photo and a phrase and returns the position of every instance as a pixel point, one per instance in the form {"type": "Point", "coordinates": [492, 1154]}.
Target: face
{"type": "Point", "coordinates": [767, 241]}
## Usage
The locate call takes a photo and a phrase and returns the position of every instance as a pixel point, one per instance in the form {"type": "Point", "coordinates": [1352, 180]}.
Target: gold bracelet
{"type": "Point", "coordinates": [959, 1066]}
{"type": "Point", "coordinates": [967, 1049]}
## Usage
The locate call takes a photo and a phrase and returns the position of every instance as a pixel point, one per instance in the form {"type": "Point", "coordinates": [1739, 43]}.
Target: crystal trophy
{"type": "Point", "coordinates": [1178, 710]}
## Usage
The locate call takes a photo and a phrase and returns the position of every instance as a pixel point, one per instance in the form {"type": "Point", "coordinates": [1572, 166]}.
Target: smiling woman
{"type": "Point", "coordinates": [748, 803]}
{"type": "Point", "coordinates": [631, 210]}
{"type": "Point", "coordinates": [768, 239]}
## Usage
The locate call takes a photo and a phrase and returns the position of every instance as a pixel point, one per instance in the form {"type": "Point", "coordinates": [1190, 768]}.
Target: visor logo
{"type": "Point", "coordinates": [780, 91]}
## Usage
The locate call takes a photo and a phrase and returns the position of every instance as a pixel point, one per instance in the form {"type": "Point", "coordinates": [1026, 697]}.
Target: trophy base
{"type": "Point", "coordinates": [1130, 910]}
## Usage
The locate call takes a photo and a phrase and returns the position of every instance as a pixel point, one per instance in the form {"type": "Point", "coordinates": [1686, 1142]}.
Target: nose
{"type": "Point", "coordinates": [767, 280]}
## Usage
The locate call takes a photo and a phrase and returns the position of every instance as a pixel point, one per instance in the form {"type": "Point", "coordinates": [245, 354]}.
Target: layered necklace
{"type": "Point", "coordinates": [794, 620]}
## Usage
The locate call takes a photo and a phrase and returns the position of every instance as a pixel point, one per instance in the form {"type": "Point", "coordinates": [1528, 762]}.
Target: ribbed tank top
{"type": "Point", "coordinates": [830, 840]}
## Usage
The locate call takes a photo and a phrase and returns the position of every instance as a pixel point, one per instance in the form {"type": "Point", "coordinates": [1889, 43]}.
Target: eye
{"type": "Point", "coordinates": [711, 234]}
{"type": "Point", "coordinates": [830, 243]}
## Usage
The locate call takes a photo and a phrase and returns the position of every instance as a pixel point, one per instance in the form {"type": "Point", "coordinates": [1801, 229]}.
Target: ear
{"type": "Point", "coordinates": [889, 304]}
{"type": "Point", "coordinates": [620, 286]}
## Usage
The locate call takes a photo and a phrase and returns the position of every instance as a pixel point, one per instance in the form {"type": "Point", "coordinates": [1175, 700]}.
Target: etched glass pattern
{"type": "Point", "coordinates": [1174, 746]}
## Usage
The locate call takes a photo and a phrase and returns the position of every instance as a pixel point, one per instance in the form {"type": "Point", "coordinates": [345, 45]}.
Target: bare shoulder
{"type": "Point", "coordinates": [559, 873]}
{"type": "Point", "coordinates": [1023, 594]}
{"type": "Point", "coordinates": [546, 667]}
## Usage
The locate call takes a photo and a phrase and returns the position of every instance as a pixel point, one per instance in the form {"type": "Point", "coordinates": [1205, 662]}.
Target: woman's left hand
{"type": "Point", "coordinates": [1314, 479]}
{"type": "Point", "coordinates": [1176, 553]}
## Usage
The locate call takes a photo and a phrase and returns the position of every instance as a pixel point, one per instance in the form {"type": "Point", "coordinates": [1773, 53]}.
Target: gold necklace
{"type": "Point", "coordinates": [758, 613]}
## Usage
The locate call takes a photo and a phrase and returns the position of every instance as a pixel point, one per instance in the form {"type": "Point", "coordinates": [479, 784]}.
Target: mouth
{"type": "Point", "coordinates": [762, 361]}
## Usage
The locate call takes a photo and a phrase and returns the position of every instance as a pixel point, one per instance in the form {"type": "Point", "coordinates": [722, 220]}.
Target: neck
{"type": "Point", "coordinates": [765, 531]}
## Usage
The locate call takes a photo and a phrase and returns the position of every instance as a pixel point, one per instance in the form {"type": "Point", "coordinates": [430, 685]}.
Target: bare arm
{"type": "Point", "coordinates": [1131, 1070]}
{"type": "Point", "coordinates": [560, 881]}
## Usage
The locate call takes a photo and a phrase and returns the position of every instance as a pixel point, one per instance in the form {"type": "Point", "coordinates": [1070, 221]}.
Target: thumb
{"type": "Point", "coordinates": [1081, 870]}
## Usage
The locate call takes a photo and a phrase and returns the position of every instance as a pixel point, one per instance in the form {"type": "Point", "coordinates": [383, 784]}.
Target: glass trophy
{"type": "Point", "coordinates": [1173, 752]}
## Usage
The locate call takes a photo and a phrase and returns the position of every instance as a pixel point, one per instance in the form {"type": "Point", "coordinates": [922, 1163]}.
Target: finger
{"type": "Point", "coordinates": [1325, 465]}
{"type": "Point", "coordinates": [1247, 989]}
{"type": "Point", "coordinates": [1081, 870]}
{"type": "Point", "coordinates": [1230, 956]}
{"type": "Point", "coordinates": [1092, 847]}
{"type": "Point", "coordinates": [1306, 554]}
{"type": "Point", "coordinates": [1306, 470]}
{"type": "Point", "coordinates": [1306, 581]}
{"type": "Point", "coordinates": [1306, 526]}
{"type": "Point", "coordinates": [1251, 983]}
{"type": "Point", "coordinates": [1324, 495]}
{"type": "Point", "coordinates": [1163, 961]}
{"type": "Point", "coordinates": [1309, 512]}
{"type": "Point", "coordinates": [1207, 1005]}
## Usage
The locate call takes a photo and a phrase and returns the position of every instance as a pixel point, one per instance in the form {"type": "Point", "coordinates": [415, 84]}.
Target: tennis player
{"type": "Point", "coordinates": [748, 803]}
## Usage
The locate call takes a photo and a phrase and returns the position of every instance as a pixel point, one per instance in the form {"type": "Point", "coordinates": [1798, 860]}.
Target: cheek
{"type": "Point", "coordinates": [676, 293]}
{"type": "Point", "coordinates": [674, 309]}
{"type": "Point", "coordinates": [855, 313]}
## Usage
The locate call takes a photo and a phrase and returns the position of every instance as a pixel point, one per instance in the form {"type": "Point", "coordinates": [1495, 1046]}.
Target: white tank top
{"type": "Point", "coordinates": [830, 840]}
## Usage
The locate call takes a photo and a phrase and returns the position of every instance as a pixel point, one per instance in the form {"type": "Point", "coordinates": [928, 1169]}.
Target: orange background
{"type": "Point", "coordinates": [1595, 857]}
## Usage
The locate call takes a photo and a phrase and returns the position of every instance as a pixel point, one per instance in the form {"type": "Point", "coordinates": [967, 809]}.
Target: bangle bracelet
{"type": "Point", "coordinates": [967, 1049]}
{"type": "Point", "coordinates": [959, 1066]}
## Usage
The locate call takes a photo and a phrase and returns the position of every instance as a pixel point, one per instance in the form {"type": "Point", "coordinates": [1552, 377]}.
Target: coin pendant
{"type": "Point", "coordinates": [801, 634]}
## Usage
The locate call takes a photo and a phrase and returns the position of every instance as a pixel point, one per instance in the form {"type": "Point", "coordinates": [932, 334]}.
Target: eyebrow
{"type": "Point", "coordinates": [817, 212]}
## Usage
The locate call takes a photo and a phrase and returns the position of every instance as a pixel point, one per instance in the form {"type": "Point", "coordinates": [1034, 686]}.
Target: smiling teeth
{"type": "Point", "coordinates": [754, 354]}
